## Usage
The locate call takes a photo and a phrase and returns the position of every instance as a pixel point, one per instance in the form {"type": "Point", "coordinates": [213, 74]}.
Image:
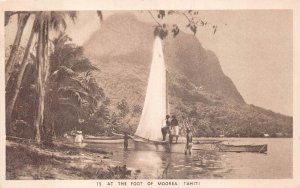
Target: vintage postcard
{"type": "Point", "coordinates": [149, 94]}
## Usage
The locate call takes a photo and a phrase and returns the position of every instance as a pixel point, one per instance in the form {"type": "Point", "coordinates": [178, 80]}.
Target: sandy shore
{"type": "Point", "coordinates": [26, 161]}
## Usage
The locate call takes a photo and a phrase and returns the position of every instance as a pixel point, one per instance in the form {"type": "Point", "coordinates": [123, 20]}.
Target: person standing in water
{"type": "Point", "coordinates": [126, 138]}
{"type": "Point", "coordinates": [175, 127]}
{"type": "Point", "coordinates": [165, 128]}
{"type": "Point", "coordinates": [189, 142]}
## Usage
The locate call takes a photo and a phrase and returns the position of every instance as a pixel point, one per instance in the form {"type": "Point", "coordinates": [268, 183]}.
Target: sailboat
{"type": "Point", "coordinates": [148, 135]}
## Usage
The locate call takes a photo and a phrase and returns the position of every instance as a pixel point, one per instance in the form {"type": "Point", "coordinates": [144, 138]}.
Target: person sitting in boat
{"type": "Point", "coordinates": [126, 138]}
{"type": "Point", "coordinates": [189, 142]}
{"type": "Point", "coordinates": [175, 127]}
{"type": "Point", "coordinates": [78, 137]}
{"type": "Point", "coordinates": [165, 128]}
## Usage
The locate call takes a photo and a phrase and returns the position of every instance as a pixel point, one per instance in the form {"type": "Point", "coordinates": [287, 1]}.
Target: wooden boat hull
{"type": "Point", "coordinates": [165, 146]}
{"type": "Point", "coordinates": [159, 146]}
{"type": "Point", "coordinates": [243, 148]}
{"type": "Point", "coordinates": [88, 137]}
{"type": "Point", "coordinates": [151, 146]}
{"type": "Point", "coordinates": [101, 141]}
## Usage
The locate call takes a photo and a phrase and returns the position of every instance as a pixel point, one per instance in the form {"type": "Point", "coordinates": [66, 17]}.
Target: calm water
{"type": "Point", "coordinates": [277, 163]}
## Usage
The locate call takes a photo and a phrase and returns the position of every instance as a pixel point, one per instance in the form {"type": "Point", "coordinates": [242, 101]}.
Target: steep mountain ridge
{"type": "Point", "coordinates": [186, 55]}
{"type": "Point", "coordinates": [197, 85]}
{"type": "Point", "coordinates": [124, 39]}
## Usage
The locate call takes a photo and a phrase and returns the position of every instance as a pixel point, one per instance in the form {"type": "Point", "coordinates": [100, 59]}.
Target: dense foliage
{"type": "Point", "coordinates": [74, 99]}
{"type": "Point", "coordinates": [52, 88]}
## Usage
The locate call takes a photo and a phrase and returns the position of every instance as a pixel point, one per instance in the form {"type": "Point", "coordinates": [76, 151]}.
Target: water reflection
{"type": "Point", "coordinates": [201, 164]}
{"type": "Point", "coordinates": [208, 164]}
{"type": "Point", "coordinates": [150, 163]}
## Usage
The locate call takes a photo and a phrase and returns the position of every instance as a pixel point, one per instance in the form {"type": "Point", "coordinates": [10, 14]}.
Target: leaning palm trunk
{"type": "Point", "coordinates": [42, 67]}
{"type": "Point", "coordinates": [14, 50]}
{"type": "Point", "coordinates": [12, 102]}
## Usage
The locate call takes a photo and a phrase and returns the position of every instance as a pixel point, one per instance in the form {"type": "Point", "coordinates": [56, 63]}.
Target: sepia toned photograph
{"type": "Point", "coordinates": [148, 94]}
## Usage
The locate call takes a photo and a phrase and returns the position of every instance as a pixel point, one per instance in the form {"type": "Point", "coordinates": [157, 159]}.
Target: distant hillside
{"type": "Point", "coordinates": [198, 88]}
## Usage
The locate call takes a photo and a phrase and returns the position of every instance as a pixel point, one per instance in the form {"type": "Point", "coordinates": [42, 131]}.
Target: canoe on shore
{"type": "Point", "coordinates": [99, 139]}
{"type": "Point", "coordinates": [102, 141]}
{"type": "Point", "coordinates": [115, 137]}
{"type": "Point", "coordinates": [243, 148]}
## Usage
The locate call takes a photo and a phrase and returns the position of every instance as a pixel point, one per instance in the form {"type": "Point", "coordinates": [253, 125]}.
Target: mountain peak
{"type": "Point", "coordinates": [122, 17]}
{"type": "Point", "coordinates": [123, 39]}
{"type": "Point", "coordinates": [120, 34]}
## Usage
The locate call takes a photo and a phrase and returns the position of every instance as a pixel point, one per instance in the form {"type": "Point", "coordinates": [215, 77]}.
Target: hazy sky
{"type": "Point", "coordinates": [255, 50]}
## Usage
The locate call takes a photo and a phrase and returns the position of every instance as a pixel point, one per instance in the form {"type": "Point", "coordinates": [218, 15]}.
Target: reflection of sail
{"type": "Point", "coordinates": [154, 110]}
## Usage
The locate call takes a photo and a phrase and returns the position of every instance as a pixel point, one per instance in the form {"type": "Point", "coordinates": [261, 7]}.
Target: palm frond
{"type": "Point", "coordinates": [81, 96]}
{"type": "Point", "coordinates": [83, 65]}
{"type": "Point", "coordinates": [79, 83]}
{"type": "Point", "coordinates": [7, 17]}
{"type": "Point", "coordinates": [67, 101]}
{"type": "Point", "coordinates": [67, 71]}
{"type": "Point", "coordinates": [62, 72]}
{"type": "Point", "coordinates": [72, 15]}
{"type": "Point", "coordinates": [58, 19]}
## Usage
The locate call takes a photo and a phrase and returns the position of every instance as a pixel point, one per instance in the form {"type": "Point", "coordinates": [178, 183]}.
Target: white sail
{"type": "Point", "coordinates": [155, 105]}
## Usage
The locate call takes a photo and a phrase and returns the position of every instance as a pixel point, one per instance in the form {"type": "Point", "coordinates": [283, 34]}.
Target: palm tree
{"type": "Point", "coordinates": [12, 101]}
{"type": "Point", "coordinates": [22, 21]}
{"type": "Point", "coordinates": [70, 86]}
{"type": "Point", "coordinates": [47, 20]}
{"type": "Point", "coordinates": [44, 22]}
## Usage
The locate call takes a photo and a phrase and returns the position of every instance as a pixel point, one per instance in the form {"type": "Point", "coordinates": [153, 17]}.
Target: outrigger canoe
{"type": "Point", "coordinates": [242, 148]}
{"type": "Point", "coordinates": [165, 146]}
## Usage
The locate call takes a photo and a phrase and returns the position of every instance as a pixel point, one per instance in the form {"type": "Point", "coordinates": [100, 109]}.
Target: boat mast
{"type": "Point", "coordinates": [167, 98]}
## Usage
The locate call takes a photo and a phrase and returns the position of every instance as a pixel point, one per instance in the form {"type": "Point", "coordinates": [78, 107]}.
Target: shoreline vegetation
{"type": "Point", "coordinates": [63, 161]}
